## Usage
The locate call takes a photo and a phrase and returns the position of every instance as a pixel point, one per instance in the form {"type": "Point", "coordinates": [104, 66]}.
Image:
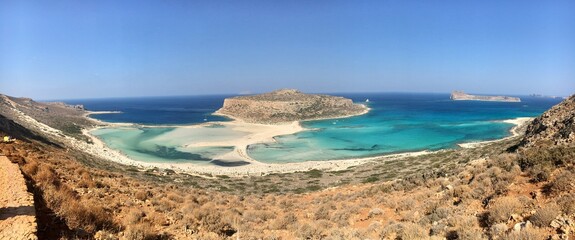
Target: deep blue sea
{"type": "Point", "coordinates": [397, 122]}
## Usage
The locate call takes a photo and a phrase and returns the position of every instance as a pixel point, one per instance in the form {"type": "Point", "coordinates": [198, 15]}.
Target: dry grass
{"type": "Point", "coordinates": [503, 208]}
{"type": "Point", "coordinates": [544, 215]}
{"type": "Point", "coordinates": [434, 203]}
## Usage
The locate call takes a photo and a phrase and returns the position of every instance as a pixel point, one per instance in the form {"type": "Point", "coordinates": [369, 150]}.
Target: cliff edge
{"type": "Point", "coordinates": [288, 105]}
{"type": "Point", "coordinates": [459, 95]}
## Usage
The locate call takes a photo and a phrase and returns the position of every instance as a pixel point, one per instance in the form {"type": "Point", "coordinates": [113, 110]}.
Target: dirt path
{"type": "Point", "coordinates": [17, 213]}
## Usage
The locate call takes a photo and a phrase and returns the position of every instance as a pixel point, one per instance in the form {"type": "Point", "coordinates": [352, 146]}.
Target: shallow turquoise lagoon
{"type": "Point", "coordinates": [397, 122]}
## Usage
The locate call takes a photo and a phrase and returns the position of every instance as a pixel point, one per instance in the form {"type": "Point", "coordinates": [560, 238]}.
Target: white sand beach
{"type": "Point", "coordinates": [255, 133]}
{"type": "Point", "coordinates": [518, 122]}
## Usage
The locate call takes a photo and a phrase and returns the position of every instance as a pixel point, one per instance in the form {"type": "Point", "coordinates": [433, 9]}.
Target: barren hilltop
{"type": "Point", "coordinates": [288, 105]}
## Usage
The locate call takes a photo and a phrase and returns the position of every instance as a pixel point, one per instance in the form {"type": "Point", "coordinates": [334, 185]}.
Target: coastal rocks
{"type": "Point", "coordinates": [288, 105]}
{"type": "Point", "coordinates": [554, 127]}
{"type": "Point", "coordinates": [459, 95]}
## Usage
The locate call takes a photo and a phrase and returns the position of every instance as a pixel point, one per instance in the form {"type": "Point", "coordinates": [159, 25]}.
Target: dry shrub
{"type": "Point", "coordinates": [258, 216]}
{"type": "Point", "coordinates": [411, 216]}
{"type": "Point", "coordinates": [543, 216]}
{"type": "Point", "coordinates": [462, 191]}
{"type": "Point", "coordinates": [321, 213]}
{"type": "Point", "coordinates": [341, 217]}
{"type": "Point", "coordinates": [285, 222]}
{"type": "Point", "coordinates": [498, 231]}
{"type": "Point", "coordinates": [503, 208]}
{"type": "Point", "coordinates": [158, 219]}
{"type": "Point", "coordinates": [562, 183]}
{"type": "Point", "coordinates": [134, 216]}
{"type": "Point", "coordinates": [45, 176]}
{"type": "Point", "coordinates": [344, 234]}
{"type": "Point", "coordinates": [527, 234]}
{"type": "Point", "coordinates": [140, 231]}
{"type": "Point", "coordinates": [439, 213]}
{"type": "Point", "coordinates": [31, 168]}
{"type": "Point", "coordinates": [567, 203]}
{"type": "Point", "coordinates": [547, 156]}
{"type": "Point", "coordinates": [86, 181]}
{"type": "Point", "coordinates": [374, 212]}
{"type": "Point", "coordinates": [506, 161]}
{"type": "Point", "coordinates": [143, 195]}
{"type": "Point", "coordinates": [175, 198]}
{"type": "Point", "coordinates": [467, 227]}
{"type": "Point", "coordinates": [540, 173]}
{"type": "Point", "coordinates": [406, 204]}
{"type": "Point", "coordinates": [164, 205]}
{"type": "Point", "coordinates": [210, 219]}
{"type": "Point", "coordinates": [105, 235]}
{"type": "Point", "coordinates": [374, 226]}
{"type": "Point", "coordinates": [407, 231]}
{"type": "Point", "coordinates": [308, 231]}
{"type": "Point", "coordinates": [87, 215]}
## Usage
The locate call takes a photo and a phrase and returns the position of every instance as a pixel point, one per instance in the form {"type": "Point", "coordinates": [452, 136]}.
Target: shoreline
{"type": "Point", "coordinates": [518, 122]}
{"type": "Point", "coordinates": [254, 167]}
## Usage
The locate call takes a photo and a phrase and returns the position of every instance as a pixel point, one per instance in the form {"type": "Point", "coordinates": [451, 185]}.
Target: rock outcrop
{"type": "Point", "coordinates": [459, 95]}
{"type": "Point", "coordinates": [556, 126]}
{"type": "Point", "coordinates": [288, 105]}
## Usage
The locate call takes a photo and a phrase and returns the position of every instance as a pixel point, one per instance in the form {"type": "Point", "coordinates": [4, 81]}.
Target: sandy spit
{"type": "Point", "coordinates": [518, 122]}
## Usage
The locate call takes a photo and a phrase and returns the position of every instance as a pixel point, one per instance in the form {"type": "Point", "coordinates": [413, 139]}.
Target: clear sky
{"type": "Point", "coordinates": [96, 48]}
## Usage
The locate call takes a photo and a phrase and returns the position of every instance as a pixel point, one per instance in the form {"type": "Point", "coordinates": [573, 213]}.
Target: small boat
{"type": "Point", "coordinates": [367, 100]}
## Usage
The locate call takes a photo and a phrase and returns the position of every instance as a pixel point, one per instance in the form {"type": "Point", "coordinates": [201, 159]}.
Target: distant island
{"type": "Point", "coordinates": [460, 95]}
{"type": "Point", "coordinates": [288, 105]}
{"type": "Point", "coordinates": [546, 96]}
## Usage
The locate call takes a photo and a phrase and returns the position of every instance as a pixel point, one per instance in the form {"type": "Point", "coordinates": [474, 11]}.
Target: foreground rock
{"type": "Point", "coordinates": [459, 95]}
{"type": "Point", "coordinates": [288, 105]}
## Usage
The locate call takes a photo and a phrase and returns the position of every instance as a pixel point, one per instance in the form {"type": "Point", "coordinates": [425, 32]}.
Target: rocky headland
{"type": "Point", "coordinates": [459, 95]}
{"type": "Point", "coordinates": [288, 105]}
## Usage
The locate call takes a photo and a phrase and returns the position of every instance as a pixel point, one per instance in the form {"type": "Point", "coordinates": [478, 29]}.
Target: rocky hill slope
{"type": "Point", "coordinates": [288, 105]}
{"type": "Point", "coordinates": [554, 127]}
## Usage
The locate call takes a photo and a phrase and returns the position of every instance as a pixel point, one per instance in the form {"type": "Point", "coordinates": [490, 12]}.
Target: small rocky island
{"type": "Point", "coordinates": [459, 95]}
{"type": "Point", "coordinates": [288, 105]}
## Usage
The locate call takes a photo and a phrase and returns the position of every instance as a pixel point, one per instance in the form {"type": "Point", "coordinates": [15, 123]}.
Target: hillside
{"type": "Point", "coordinates": [554, 127]}
{"type": "Point", "coordinates": [481, 193]}
{"type": "Point", "coordinates": [288, 105]}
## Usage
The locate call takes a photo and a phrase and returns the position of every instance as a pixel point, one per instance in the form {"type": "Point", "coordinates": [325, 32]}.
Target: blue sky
{"type": "Point", "coordinates": [84, 49]}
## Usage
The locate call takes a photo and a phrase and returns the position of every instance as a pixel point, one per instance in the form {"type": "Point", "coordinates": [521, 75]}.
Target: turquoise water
{"type": "Point", "coordinates": [397, 122]}
{"type": "Point", "coordinates": [168, 144]}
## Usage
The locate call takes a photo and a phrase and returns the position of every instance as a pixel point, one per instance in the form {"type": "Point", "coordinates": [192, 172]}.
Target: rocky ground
{"type": "Point", "coordinates": [17, 213]}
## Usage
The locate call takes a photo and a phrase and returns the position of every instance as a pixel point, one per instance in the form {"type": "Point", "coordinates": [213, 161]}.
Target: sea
{"type": "Point", "coordinates": [396, 123]}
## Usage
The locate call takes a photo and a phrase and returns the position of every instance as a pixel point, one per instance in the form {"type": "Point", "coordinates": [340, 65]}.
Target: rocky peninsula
{"type": "Point", "coordinates": [460, 95]}
{"type": "Point", "coordinates": [288, 105]}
